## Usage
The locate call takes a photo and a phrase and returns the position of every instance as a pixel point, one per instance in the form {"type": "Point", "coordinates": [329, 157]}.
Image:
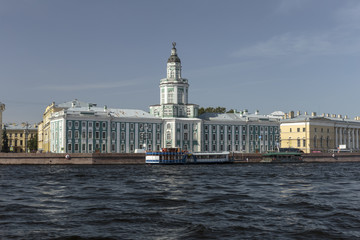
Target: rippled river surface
{"type": "Point", "coordinates": [238, 201]}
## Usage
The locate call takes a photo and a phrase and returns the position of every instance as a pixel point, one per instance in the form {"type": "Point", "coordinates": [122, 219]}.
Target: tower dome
{"type": "Point", "coordinates": [174, 57]}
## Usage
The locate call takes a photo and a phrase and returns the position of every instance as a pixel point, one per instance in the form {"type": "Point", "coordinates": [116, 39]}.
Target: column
{"type": "Point", "coordinates": [336, 137]}
{"type": "Point", "coordinates": [341, 137]}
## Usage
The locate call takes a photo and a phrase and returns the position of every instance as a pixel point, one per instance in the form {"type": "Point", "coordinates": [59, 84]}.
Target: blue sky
{"type": "Point", "coordinates": [262, 55]}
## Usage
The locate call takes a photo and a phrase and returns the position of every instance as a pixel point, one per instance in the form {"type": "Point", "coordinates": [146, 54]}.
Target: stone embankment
{"type": "Point", "coordinates": [75, 158]}
{"type": "Point", "coordinates": [139, 158]}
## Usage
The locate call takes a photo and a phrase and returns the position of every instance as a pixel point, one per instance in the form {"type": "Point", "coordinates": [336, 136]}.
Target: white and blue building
{"type": "Point", "coordinates": [172, 123]}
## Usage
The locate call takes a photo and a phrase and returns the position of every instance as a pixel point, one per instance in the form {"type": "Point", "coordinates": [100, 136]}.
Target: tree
{"type": "Point", "coordinates": [212, 110]}
{"type": "Point", "coordinates": [33, 142]}
{"type": "Point", "coordinates": [5, 143]}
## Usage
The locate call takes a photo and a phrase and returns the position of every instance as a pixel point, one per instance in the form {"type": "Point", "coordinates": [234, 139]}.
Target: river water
{"type": "Point", "coordinates": [235, 201]}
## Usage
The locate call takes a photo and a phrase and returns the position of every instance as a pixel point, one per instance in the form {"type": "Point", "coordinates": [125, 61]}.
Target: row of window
{"type": "Point", "coordinates": [257, 137]}
{"type": "Point", "coordinates": [102, 147]}
{"type": "Point", "coordinates": [113, 135]}
{"type": "Point", "coordinates": [252, 128]}
{"type": "Point", "coordinates": [113, 125]}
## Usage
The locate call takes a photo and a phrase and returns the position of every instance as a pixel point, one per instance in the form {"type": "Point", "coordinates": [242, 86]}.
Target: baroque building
{"type": "Point", "coordinates": [84, 127]}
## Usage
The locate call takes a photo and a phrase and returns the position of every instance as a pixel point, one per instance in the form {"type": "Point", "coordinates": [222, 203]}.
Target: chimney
{"type": "Point", "coordinates": [346, 117]}
{"type": "Point", "coordinates": [257, 112]}
{"type": "Point", "coordinates": [313, 114]}
{"type": "Point", "coordinates": [291, 114]}
{"type": "Point", "coordinates": [339, 116]}
{"type": "Point", "coordinates": [298, 113]}
{"type": "Point", "coordinates": [305, 113]}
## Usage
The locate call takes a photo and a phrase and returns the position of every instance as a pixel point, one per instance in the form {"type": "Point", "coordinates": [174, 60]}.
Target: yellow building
{"type": "Point", "coordinates": [20, 135]}
{"type": "Point", "coordinates": [324, 133]}
{"type": "Point", "coordinates": [44, 138]}
{"type": "Point", "coordinates": [2, 108]}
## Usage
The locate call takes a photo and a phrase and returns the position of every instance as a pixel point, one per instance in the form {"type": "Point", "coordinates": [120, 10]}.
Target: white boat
{"type": "Point", "coordinates": [176, 156]}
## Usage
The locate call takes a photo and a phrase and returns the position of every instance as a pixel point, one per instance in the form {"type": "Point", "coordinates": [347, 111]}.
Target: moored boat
{"type": "Point", "coordinates": [282, 157]}
{"type": "Point", "coordinates": [176, 156]}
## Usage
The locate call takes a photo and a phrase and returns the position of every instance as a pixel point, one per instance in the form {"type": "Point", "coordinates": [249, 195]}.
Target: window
{"type": "Point", "coordinates": [113, 125]}
{"type": "Point", "coordinates": [229, 137]}
{"type": "Point", "coordinates": [104, 125]}
{"type": "Point", "coordinates": [298, 129]}
{"type": "Point", "coordinates": [69, 134]}
{"type": "Point", "coordinates": [122, 148]}
{"type": "Point", "coordinates": [298, 142]}
{"type": "Point", "coordinates": [90, 125]}
{"type": "Point", "coordinates": [221, 147]}
{"type": "Point", "coordinates": [83, 124]}
{"type": "Point", "coordinates": [221, 128]}
{"type": "Point", "coordinates": [213, 147]}
{"type": "Point", "coordinates": [132, 126]}
{"type": "Point", "coordinates": [122, 136]}
{"type": "Point", "coordinates": [103, 134]}
{"type": "Point", "coordinates": [315, 129]}
{"type": "Point", "coordinates": [185, 136]}
{"type": "Point", "coordinates": [69, 147]}
{"type": "Point", "coordinates": [131, 148]}
{"type": "Point", "coordinates": [185, 126]}
{"type": "Point", "coordinates": [206, 148]}
{"type": "Point", "coordinates": [304, 143]}
{"type": "Point", "coordinates": [76, 134]}
{"type": "Point", "coordinates": [303, 129]}
{"type": "Point", "coordinates": [158, 136]}
{"type": "Point", "coordinates": [141, 126]}
{"type": "Point", "coordinates": [97, 147]}
{"type": "Point", "coordinates": [113, 135]}
{"type": "Point", "coordinates": [90, 135]}
{"type": "Point", "coordinates": [83, 147]}
{"type": "Point", "coordinates": [104, 147]}
{"type": "Point", "coordinates": [21, 135]}
{"type": "Point", "coordinates": [290, 130]}
{"type": "Point", "coordinates": [97, 134]}
{"type": "Point", "coordinates": [237, 137]}
{"type": "Point", "coordinates": [113, 147]}
{"type": "Point", "coordinates": [97, 124]}
{"type": "Point", "coordinates": [76, 147]}
{"type": "Point", "coordinates": [69, 124]}
{"type": "Point", "coordinates": [206, 127]}
{"type": "Point", "coordinates": [206, 137]}
{"type": "Point", "coordinates": [213, 128]}
{"type": "Point", "coordinates": [158, 127]}
{"type": "Point", "coordinates": [76, 124]}
{"type": "Point", "coordinates": [236, 128]}
{"type": "Point", "coordinates": [214, 137]}
{"type": "Point", "coordinates": [90, 147]}
{"type": "Point", "coordinates": [123, 126]}
{"type": "Point", "coordinates": [83, 135]}
{"type": "Point", "coordinates": [243, 137]}
{"type": "Point", "coordinates": [221, 137]}
{"type": "Point", "coordinates": [132, 136]}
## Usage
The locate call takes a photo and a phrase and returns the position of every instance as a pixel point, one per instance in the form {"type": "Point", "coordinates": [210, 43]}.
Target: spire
{"type": "Point", "coordinates": [174, 57]}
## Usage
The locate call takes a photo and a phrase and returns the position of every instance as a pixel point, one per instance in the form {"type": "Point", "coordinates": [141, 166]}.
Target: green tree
{"type": "Point", "coordinates": [33, 142]}
{"type": "Point", "coordinates": [212, 110]}
{"type": "Point", "coordinates": [5, 141]}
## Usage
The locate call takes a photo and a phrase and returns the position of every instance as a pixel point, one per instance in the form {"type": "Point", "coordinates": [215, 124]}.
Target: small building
{"type": "Point", "coordinates": [19, 136]}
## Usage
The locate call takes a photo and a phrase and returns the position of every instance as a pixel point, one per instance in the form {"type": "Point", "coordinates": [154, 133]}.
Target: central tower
{"type": "Point", "coordinates": [174, 92]}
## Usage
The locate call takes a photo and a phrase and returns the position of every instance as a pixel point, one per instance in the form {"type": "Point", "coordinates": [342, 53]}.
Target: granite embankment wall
{"type": "Point", "coordinates": [311, 157]}
{"type": "Point", "coordinates": [75, 158]}
{"type": "Point", "coordinates": [139, 158]}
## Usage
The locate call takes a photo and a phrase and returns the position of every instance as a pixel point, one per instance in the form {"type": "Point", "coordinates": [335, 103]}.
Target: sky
{"type": "Point", "coordinates": [265, 55]}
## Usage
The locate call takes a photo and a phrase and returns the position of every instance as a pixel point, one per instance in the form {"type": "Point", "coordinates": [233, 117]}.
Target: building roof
{"type": "Point", "coordinates": [236, 117]}
{"type": "Point", "coordinates": [113, 112]}
{"type": "Point", "coordinates": [75, 103]}
{"type": "Point", "coordinates": [306, 118]}
{"type": "Point", "coordinates": [174, 57]}
{"type": "Point", "coordinates": [15, 126]}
